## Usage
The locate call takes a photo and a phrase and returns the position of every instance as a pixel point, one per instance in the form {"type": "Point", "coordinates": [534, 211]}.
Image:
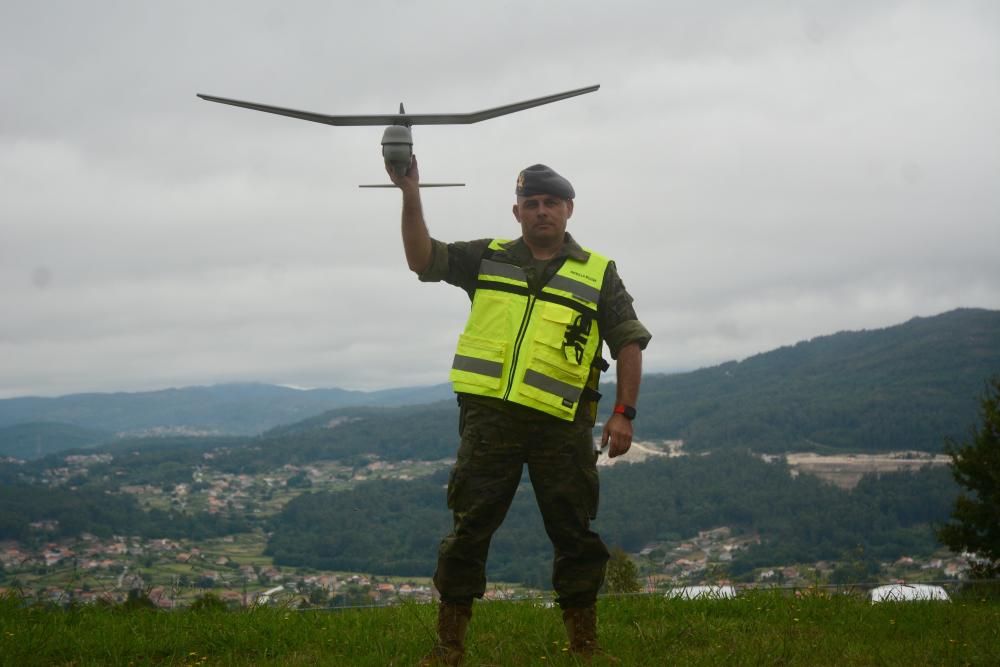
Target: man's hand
{"type": "Point", "coordinates": [617, 431]}
{"type": "Point", "coordinates": [408, 181]}
{"type": "Point", "coordinates": [618, 428]}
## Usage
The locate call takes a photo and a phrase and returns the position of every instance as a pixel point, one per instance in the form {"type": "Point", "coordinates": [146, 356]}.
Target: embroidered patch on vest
{"type": "Point", "coordinates": [575, 338]}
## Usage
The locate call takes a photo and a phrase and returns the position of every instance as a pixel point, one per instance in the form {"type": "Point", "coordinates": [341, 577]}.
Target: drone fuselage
{"type": "Point", "coordinates": [397, 148]}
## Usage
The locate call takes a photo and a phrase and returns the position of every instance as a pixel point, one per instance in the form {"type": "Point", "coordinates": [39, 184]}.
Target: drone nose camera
{"type": "Point", "coordinates": [397, 146]}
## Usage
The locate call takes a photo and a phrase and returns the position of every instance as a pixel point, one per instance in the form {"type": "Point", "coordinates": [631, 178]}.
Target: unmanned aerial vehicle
{"type": "Point", "coordinates": [397, 140]}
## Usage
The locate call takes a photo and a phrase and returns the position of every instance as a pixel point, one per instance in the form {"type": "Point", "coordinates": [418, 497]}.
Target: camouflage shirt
{"type": "Point", "coordinates": [458, 264]}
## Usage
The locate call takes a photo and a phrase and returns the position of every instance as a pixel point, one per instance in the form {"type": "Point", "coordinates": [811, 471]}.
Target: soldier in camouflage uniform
{"type": "Point", "coordinates": [498, 437]}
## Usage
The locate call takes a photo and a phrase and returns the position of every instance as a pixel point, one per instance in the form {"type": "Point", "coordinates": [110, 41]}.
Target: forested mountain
{"type": "Point", "coordinates": [903, 387]}
{"type": "Point", "coordinates": [34, 440]}
{"type": "Point", "coordinates": [234, 409]}
{"type": "Point", "coordinates": [76, 511]}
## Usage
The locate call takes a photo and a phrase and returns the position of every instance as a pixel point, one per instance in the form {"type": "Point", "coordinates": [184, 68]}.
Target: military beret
{"type": "Point", "coordinates": [541, 180]}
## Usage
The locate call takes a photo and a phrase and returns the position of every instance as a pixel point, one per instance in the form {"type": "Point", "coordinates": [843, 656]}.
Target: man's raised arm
{"type": "Point", "coordinates": [416, 239]}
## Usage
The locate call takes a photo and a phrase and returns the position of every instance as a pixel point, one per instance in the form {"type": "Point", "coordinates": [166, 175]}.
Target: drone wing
{"type": "Point", "coordinates": [405, 118]}
{"type": "Point", "coordinates": [485, 114]}
{"type": "Point", "coordinates": [380, 119]}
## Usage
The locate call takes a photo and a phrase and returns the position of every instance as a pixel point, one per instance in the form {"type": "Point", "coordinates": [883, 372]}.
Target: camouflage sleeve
{"type": "Point", "coordinates": [437, 270]}
{"type": "Point", "coordinates": [455, 263]}
{"type": "Point", "coordinates": [617, 319]}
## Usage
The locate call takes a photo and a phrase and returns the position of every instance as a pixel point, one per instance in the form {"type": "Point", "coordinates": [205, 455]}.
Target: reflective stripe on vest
{"type": "Point", "coordinates": [535, 349]}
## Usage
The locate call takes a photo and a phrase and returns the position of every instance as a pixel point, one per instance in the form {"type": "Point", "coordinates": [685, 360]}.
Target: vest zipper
{"type": "Point", "coordinates": [517, 344]}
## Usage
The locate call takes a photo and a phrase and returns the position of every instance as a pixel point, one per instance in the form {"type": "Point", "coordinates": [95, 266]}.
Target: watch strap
{"type": "Point", "coordinates": [626, 411]}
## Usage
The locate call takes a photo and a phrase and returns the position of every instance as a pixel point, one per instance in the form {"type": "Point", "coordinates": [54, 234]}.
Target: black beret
{"type": "Point", "coordinates": [541, 180]}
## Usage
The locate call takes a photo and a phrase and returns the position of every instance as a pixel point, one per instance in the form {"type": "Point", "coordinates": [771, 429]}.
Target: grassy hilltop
{"type": "Point", "coordinates": [760, 628]}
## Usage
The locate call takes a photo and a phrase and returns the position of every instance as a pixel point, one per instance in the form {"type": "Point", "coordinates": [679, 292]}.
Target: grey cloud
{"type": "Point", "coordinates": [763, 172]}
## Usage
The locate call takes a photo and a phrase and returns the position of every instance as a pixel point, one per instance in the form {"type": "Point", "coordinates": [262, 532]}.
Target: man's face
{"type": "Point", "coordinates": [543, 218]}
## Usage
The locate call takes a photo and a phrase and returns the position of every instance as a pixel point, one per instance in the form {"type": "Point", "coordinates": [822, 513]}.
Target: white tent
{"type": "Point", "coordinates": [907, 592]}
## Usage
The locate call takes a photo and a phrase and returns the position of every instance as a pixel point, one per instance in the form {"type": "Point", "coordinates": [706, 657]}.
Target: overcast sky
{"type": "Point", "coordinates": [762, 172]}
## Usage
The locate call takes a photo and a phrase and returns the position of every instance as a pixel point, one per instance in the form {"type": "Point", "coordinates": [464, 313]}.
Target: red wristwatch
{"type": "Point", "coordinates": [626, 411]}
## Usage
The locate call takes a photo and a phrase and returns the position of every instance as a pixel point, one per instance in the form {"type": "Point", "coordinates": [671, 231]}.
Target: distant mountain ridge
{"type": "Point", "coordinates": [236, 409]}
{"type": "Point", "coordinates": [903, 387]}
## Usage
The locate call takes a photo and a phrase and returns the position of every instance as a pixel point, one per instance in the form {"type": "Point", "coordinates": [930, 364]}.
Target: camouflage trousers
{"type": "Point", "coordinates": [497, 441]}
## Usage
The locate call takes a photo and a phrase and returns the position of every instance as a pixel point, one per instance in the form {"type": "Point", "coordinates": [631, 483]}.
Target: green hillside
{"type": "Point", "coordinates": [75, 511]}
{"type": "Point", "coordinates": [903, 387]}
{"type": "Point", "coordinates": [35, 440]}
{"type": "Point", "coordinates": [393, 528]}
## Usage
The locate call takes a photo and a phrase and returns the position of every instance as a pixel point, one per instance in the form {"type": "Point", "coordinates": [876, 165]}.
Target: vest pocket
{"type": "Point", "coordinates": [551, 327]}
{"type": "Point", "coordinates": [478, 361]}
{"type": "Point", "coordinates": [553, 361]}
{"type": "Point", "coordinates": [547, 383]}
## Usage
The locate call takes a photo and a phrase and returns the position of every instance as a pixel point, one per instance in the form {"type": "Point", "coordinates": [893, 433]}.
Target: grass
{"type": "Point", "coordinates": [760, 628]}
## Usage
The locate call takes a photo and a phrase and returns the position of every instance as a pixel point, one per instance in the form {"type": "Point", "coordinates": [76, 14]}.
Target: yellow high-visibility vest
{"type": "Point", "coordinates": [536, 349]}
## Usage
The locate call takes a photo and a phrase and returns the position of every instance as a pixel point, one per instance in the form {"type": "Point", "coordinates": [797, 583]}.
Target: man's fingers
{"type": "Point", "coordinates": [620, 445]}
{"type": "Point", "coordinates": [620, 439]}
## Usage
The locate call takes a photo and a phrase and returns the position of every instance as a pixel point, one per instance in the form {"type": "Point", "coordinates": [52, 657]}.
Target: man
{"type": "Point", "coordinates": [526, 372]}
